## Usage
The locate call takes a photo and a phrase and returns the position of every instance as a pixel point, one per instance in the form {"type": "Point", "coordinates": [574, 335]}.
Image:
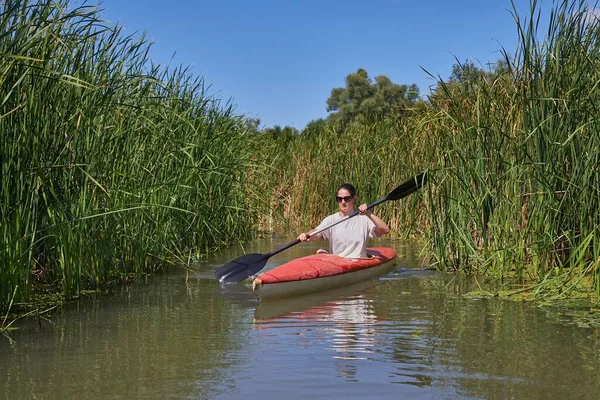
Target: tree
{"type": "Point", "coordinates": [365, 99]}
{"type": "Point", "coordinates": [285, 134]}
{"type": "Point", "coordinates": [466, 72]}
{"type": "Point", "coordinates": [467, 78]}
{"type": "Point", "coordinates": [315, 127]}
{"type": "Point", "coordinates": [252, 125]}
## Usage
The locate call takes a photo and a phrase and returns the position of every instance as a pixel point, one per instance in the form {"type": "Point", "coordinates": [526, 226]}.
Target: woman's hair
{"type": "Point", "coordinates": [349, 187]}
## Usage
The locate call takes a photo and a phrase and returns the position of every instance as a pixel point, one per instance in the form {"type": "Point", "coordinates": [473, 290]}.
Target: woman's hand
{"type": "Point", "coordinates": [364, 210]}
{"type": "Point", "coordinates": [380, 227]}
{"type": "Point", "coordinates": [302, 237]}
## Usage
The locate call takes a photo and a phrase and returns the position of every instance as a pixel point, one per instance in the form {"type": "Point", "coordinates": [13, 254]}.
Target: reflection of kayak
{"type": "Point", "coordinates": [302, 306]}
{"type": "Point", "coordinates": [319, 272]}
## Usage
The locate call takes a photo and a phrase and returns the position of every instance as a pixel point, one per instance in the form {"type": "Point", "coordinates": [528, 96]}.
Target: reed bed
{"type": "Point", "coordinates": [520, 188]}
{"type": "Point", "coordinates": [308, 169]}
{"type": "Point", "coordinates": [513, 157]}
{"type": "Point", "coordinates": [110, 166]}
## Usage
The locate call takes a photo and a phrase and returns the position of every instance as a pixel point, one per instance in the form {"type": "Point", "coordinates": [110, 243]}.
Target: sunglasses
{"type": "Point", "coordinates": [347, 199]}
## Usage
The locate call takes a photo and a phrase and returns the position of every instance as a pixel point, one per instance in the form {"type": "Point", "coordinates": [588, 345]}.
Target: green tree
{"type": "Point", "coordinates": [285, 134]}
{"type": "Point", "coordinates": [315, 127]}
{"type": "Point", "coordinates": [465, 79]}
{"type": "Point", "coordinates": [252, 125]}
{"type": "Point", "coordinates": [466, 72]}
{"type": "Point", "coordinates": [364, 99]}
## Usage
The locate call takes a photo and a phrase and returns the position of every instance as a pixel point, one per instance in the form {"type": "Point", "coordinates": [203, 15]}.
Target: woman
{"type": "Point", "coordinates": [349, 238]}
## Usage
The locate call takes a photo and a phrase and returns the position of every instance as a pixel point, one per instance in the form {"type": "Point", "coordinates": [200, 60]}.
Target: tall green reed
{"type": "Point", "coordinates": [520, 172]}
{"type": "Point", "coordinates": [111, 165]}
{"type": "Point", "coordinates": [513, 156]}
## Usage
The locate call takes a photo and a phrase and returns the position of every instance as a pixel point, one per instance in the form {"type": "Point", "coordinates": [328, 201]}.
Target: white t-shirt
{"type": "Point", "coordinates": [349, 238]}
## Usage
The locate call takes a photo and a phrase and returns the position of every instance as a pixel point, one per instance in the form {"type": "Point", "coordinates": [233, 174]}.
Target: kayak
{"type": "Point", "coordinates": [319, 272]}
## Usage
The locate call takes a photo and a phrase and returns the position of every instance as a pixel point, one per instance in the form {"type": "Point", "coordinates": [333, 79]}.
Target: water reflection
{"type": "Point", "coordinates": [411, 335]}
{"type": "Point", "coordinates": [412, 331]}
{"type": "Point", "coordinates": [170, 338]}
{"type": "Point", "coordinates": [348, 327]}
{"type": "Point", "coordinates": [238, 294]}
{"type": "Point", "coordinates": [295, 305]}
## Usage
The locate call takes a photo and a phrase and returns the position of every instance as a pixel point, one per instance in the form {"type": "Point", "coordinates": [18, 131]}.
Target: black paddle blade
{"type": "Point", "coordinates": [241, 268]}
{"type": "Point", "coordinates": [408, 187]}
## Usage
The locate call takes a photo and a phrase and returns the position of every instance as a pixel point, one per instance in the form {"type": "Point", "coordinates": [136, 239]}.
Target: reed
{"type": "Point", "coordinates": [308, 169]}
{"type": "Point", "coordinates": [111, 166]}
{"type": "Point", "coordinates": [518, 193]}
{"type": "Point", "coordinates": [513, 156]}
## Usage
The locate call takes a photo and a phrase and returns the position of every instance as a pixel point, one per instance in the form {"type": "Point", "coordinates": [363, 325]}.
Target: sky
{"type": "Point", "coordinates": [278, 60]}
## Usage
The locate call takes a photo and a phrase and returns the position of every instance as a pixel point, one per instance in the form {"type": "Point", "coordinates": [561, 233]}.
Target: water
{"type": "Point", "coordinates": [409, 335]}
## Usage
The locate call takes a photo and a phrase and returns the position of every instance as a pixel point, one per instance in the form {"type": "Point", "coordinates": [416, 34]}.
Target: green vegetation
{"type": "Point", "coordinates": [513, 159]}
{"type": "Point", "coordinates": [519, 191]}
{"type": "Point", "coordinates": [113, 167]}
{"type": "Point", "coordinates": [365, 101]}
{"type": "Point", "coordinates": [110, 166]}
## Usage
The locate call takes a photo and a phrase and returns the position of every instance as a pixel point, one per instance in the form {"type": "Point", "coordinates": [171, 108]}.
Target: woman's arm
{"type": "Point", "coordinates": [381, 227]}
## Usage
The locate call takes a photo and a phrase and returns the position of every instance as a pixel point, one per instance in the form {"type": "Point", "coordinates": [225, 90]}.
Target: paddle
{"type": "Point", "coordinates": [249, 264]}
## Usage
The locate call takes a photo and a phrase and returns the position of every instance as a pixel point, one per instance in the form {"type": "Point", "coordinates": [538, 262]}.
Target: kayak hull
{"type": "Point", "coordinates": [321, 272]}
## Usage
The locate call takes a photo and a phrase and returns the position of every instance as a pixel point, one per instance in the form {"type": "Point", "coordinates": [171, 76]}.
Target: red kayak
{"type": "Point", "coordinates": [321, 272]}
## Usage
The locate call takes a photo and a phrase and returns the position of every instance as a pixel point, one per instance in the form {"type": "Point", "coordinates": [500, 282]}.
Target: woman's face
{"type": "Point", "coordinates": [345, 201]}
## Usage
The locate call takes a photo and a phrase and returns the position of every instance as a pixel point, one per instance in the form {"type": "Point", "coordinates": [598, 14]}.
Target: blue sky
{"type": "Point", "coordinates": [278, 60]}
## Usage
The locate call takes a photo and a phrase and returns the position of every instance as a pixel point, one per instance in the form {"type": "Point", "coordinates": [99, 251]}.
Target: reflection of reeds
{"type": "Point", "coordinates": [109, 164]}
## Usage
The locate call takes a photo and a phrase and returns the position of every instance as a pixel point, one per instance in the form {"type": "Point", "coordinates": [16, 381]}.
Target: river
{"type": "Point", "coordinates": [411, 334]}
